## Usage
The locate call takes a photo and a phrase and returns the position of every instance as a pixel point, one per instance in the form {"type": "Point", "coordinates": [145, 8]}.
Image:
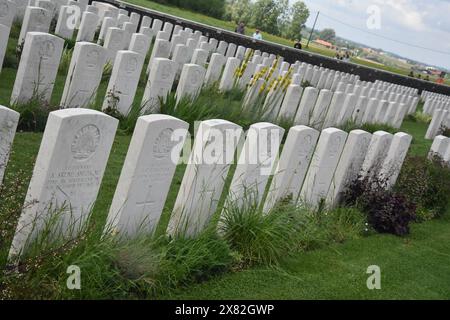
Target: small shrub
{"type": "Point", "coordinates": [33, 115]}
{"type": "Point", "coordinates": [427, 183]}
{"type": "Point", "coordinates": [387, 211]}
{"type": "Point", "coordinates": [419, 117]}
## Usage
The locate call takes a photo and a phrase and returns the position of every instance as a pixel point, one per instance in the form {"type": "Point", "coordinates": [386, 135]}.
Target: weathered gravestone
{"type": "Point", "coordinates": [255, 165]}
{"type": "Point", "coordinates": [215, 68]}
{"type": "Point", "coordinates": [191, 82]}
{"type": "Point", "coordinates": [66, 23]}
{"type": "Point", "coordinates": [88, 26]}
{"type": "Point", "coordinates": [85, 73]}
{"type": "Point", "coordinates": [320, 110]}
{"type": "Point", "coordinates": [8, 125]}
{"type": "Point", "coordinates": [396, 155]}
{"type": "Point", "coordinates": [4, 36]}
{"type": "Point", "coordinates": [229, 74]}
{"type": "Point", "coordinates": [7, 12]}
{"type": "Point", "coordinates": [305, 109]}
{"type": "Point", "coordinates": [376, 153]}
{"type": "Point", "coordinates": [36, 19]}
{"type": "Point", "coordinates": [159, 84]}
{"type": "Point", "coordinates": [124, 81]}
{"type": "Point", "coordinates": [292, 167]}
{"type": "Point", "coordinates": [323, 166]}
{"type": "Point", "coordinates": [38, 68]}
{"type": "Point", "coordinates": [349, 166]}
{"type": "Point", "coordinates": [114, 42]}
{"type": "Point", "coordinates": [204, 178]}
{"type": "Point", "coordinates": [161, 49]}
{"type": "Point", "coordinates": [291, 101]}
{"type": "Point", "coordinates": [67, 176]}
{"type": "Point", "coordinates": [140, 43]}
{"type": "Point", "coordinates": [439, 148]}
{"type": "Point", "coordinates": [147, 175]}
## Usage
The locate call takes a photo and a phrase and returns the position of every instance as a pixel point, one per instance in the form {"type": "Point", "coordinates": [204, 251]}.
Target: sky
{"type": "Point", "coordinates": [421, 23]}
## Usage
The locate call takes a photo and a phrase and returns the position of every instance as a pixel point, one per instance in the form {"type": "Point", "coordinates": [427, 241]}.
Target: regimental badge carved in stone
{"type": "Point", "coordinates": [131, 65]}
{"type": "Point", "coordinates": [163, 144]}
{"type": "Point", "coordinates": [92, 59]}
{"type": "Point", "coordinates": [85, 142]}
{"type": "Point", "coordinates": [47, 49]}
{"type": "Point", "coordinates": [4, 8]}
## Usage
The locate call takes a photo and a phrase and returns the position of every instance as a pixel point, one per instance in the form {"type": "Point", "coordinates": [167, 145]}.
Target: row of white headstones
{"type": "Point", "coordinates": [437, 106]}
{"type": "Point", "coordinates": [77, 142]}
{"type": "Point", "coordinates": [311, 167]}
{"type": "Point", "coordinates": [338, 97]}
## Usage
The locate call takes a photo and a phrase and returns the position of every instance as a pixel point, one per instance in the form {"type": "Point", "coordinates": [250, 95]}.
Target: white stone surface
{"type": "Point", "coordinates": [159, 84]}
{"type": "Point", "coordinates": [140, 43]}
{"type": "Point", "coordinates": [290, 103]}
{"type": "Point", "coordinates": [161, 49]}
{"type": "Point", "coordinates": [124, 81]}
{"type": "Point", "coordinates": [377, 152]}
{"type": "Point", "coordinates": [256, 163]}
{"type": "Point", "coordinates": [88, 26]}
{"type": "Point", "coordinates": [215, 68]}
{"type": "Point", "coordinates": [292, 167]}
{"type": "Point", "coordinates": [38, 68]}
{"type": "Point", "coordinates": [191, 82]}
{"type": "Point", "coordinates": [67, 175]}
{"type": "Point", "coordinates": [321, 109]}
{"type": "Point", "coordinates": [7, 12]}
{"type": "Point", "coordinates": [147, 175]}
{"type": "Point", "coordinates": [114, 42]}
{"type": "Point", "coordinates": [35, 20]}
{"type": "Point", "coordinates": [8, 125]}
{"type": "Point", "coordinates": [350, 165]}
{"type": "Point", "coordinates": [66, 23]}
{"type": "Point", "coordinates": [439, 148]}
{"type": "Point", "coordinates": [323, 166]}
{"type": "Point", "coordinates": [306, 107]}
{"type": "Point", "coordinates": [396, 155]}
{"type": "Point", "coordinates": [210, 160]}
{"type": "Point", "coordinates": [228, 77]}
{"type": "Point", "coordinates": [4, 36]}
{"type": "Point", "coordinates": [85, 73]}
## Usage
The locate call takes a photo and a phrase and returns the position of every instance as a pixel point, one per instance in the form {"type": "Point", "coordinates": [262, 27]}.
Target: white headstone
{"type": "Point", "coordinates": [147, 175]}
{"type": "Point", "coordinates": [159, 84]}
{"type": "Point", "coordinates": [439, 148]}
{"type": "Point", "coordinates": [228, 78]}
{"type": "Point", "coordinates": [107, 23]}
{"type": "Point", "coordinates": [35, 20]}
{"type": "Point", "coordinates": [8, 125]}
{"type": "Point", "coordinates": [323, 166]}
{"type": "Point", "coordinates": [210, 160]}
{"type": "Point", "coordinates": [124, 81]}
{"type": "Point", "coordinates": [114, 42]}
{"type": "Point", "coordinates": [67, 175]}
{"type": "Point", "coordinates": [292, 167]}
{"type": "Point", "coordinates": [38, 68]}
{"type": "Point", "coordinates": [255, 165]}
{"type": "Point", "coordinates": [161, 49]}
{"type": "Point", "coordinates": [7, 12]}
{"type": "Point", "coordinates": [4, 36]}
{"type": "Point", "coordinates": [306, 107]}
{"type": "Point", "coordinates": [140, 43]}
{"type": "Point", "coordinates": [321, 109]}
{"type": "Point", "coordinates": [191, 81]}
{"type": "Point", "coordinates": [290, 103]}
{"type": "Point", "coordinates": [349, 166]}
{"type": "Point", "coordinates": [85, 73]}
{"type": "Point", "coordinates": [66, 23]}
{"type": "Point", "coordinates": [88, 27]}
{"type": "Point", "coordinates": [215, 68]}
{"type": "Point", "coordinates": [376, 153]}
{"type": "Point", "coordinates": [393, 163]}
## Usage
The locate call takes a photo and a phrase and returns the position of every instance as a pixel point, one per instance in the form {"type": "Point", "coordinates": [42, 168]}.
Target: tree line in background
{"type": "Point", "coordinates": [276, 17]}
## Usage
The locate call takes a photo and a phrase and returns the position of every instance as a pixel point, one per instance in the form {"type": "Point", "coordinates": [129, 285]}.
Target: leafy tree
{"type": "Point", "coordinates": [299, 14]}
{"type": "Point", "coordinates": [240, 10]}
{"type": "Point", "coordinates": [266, 14]}
{"type": "Point", "coordinates": [327, 34]}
